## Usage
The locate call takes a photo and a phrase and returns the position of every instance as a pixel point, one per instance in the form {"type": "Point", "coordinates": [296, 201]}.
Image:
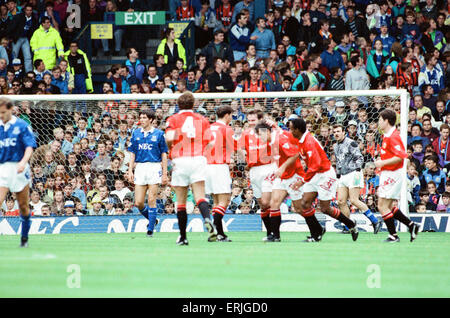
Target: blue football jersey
{"type": "Point", "coordinates": [148, 146]}
{"type": "Point", "coordinates": [15, 137]}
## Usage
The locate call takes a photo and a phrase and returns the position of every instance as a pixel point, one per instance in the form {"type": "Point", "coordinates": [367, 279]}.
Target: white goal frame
{"type": "Point", "coordinates": [401, 93]}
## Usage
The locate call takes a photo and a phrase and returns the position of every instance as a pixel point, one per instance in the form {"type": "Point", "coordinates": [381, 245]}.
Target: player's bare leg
{"type": "Point", "coordinates": [181, 194]}
{"type": "Point", "coordinates": [304, 207]}
{"type": "Point", "coordinates": [326, 208]}
{"type": "Point", "coordinates": [24, 208]}
{"type": "Point", "coordinates": [342, 196]}
{"type": "Point", "coordinates": [277, 198]}
{"type": "Point", "coordinates": [198, 189]}
{"type": "Point", "coordinates": [354, 200]}
{"type": "Point", "coordinates": [389, 212]}
{"type": "Point", "coordinates": [221, 202]}
{"type": "Point", "coordinates": [264, 204]}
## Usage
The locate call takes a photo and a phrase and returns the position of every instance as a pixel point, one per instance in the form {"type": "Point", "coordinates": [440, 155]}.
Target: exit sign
{"type": "Point", "coordinates": [140, 18]}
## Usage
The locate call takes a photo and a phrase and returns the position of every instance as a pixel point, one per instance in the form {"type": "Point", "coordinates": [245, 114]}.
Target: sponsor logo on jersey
{"type": "Point", "coordinates": [8, 142]}
{"type": "Point", "coordinates": [16, 131]}
{"type": "Point", "coordinates": [145, 146]}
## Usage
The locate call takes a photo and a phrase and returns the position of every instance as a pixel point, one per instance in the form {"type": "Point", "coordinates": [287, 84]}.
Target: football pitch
{"type": "Point", "coordinates": [132, 265]}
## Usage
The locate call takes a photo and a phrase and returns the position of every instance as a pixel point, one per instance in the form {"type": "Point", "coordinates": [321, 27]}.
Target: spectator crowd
{"type": "Point", "coordinates": [296, 45]}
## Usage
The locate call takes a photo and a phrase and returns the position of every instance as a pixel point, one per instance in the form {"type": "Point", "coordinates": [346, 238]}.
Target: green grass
{"type": "Point", "coordinates": [132, 265]}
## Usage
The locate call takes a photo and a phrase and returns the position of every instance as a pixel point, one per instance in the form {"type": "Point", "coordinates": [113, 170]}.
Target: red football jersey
{"type": "Point", "coordinates": [287, 147]}
{"type": "Point", "coordinates": [392, 146]}
{"type": "Point", "coordinates": [314, 156]}
{"type": "Point", "coordinates": [257, 152]}
{"type": "Point", "coordinates": [224, 144]}
{"type": "Point", "coordinates": [192, 134]}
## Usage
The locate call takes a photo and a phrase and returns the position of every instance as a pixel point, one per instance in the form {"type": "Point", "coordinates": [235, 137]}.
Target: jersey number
{"type": "Point", "coordinates": [188, 127]}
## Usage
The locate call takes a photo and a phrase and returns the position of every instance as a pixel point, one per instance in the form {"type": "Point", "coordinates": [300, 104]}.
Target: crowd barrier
{"type": "Point", "coordinates": [169, 223]}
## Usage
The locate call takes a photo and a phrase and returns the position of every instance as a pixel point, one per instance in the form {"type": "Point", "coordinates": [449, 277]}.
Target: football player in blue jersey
{"type": "Point", "coordinates": [17, 142]}
{"type": "Point", "coordinates": [149, 151]}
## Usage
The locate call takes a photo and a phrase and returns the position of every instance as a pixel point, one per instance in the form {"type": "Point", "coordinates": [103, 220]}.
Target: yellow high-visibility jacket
{"type": "Point", "coordinates": [89, 85]}
{"type": "Point", "coordinates": [46, 45]}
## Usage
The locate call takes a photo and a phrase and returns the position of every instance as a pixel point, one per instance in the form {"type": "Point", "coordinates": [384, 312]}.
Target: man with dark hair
{"type": "Point", "coordinates": [80, 67]}
{"type": "Point", "coordinates": [433, 172]}
{"type": "Point", "coordinates": [149, 150]}
{"type": "Point", "coordinates": [45, 42]}
{"type": "Point", "coordinates": [265, 39]}
{"type": "Point", "coordinates": [391, 162]}
{"type": "Point", "coordinates": [20, 29]}
{"type": "Point", "coordinates": [218, 48]}
{"type": "Point", "coordinates": [357, 77]}
{"type": "Point", "coordinates": [188, 135]}
{"type": "Point", "coordinates": [356, 24]}
{"type": "Point", "coordinates": [240, 36]}
{"type": "Point", "coordinates": [134, 65]}
{"type": "Point", "coordinates": [219, 81]}
{"type": "Point", "coordinates": [330, 57]}
{"type": "Point", "coordinates": [319, 182]}
{"type": "Point", "coordinates": [218, 180]}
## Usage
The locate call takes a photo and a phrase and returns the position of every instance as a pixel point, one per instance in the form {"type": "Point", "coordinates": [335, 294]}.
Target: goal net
{"type": "Point", "coordinates": [70, 128]}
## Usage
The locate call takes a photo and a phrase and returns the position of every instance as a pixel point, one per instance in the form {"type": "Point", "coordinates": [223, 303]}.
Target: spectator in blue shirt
{"type": "Point", "coordinates": [433, 173]}
{"type": "Point", "coordinates": [245, 4]}
{"type": "Point", "coordinates": [330, 57]}
{"type": "Point", "coordinates": [385, 38]}
{"type": "Point", "coordinates": [240, 37]}
{"type": "Point", "coordinates": [265, 39]}
{"type": "Point", "coordinates": [58, 81]}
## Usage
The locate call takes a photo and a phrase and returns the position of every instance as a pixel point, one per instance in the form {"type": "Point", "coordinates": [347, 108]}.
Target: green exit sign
{"type": "Point", "coordinates": [140, 18]}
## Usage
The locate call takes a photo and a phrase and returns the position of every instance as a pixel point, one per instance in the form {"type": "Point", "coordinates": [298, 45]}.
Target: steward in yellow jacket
{"type": "Point", "coordinates": [45, 43]}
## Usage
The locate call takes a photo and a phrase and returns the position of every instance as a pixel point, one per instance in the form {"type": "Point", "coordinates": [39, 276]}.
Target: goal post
{"type": "Point", "coordinates": [47, 112]}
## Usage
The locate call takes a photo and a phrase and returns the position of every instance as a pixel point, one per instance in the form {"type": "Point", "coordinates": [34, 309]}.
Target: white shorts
{"type": "Point", "coordinates": [353, 179]}
{"type": "Point", "coordinates": [390, 184]}
{"type": "Point", "coordinates": [148, 173]}
{"type": "Point", "coordinates": [9, 178]}
{"type": "Point", "coordinates": [188, 170]}
{"type": "Point", "coordinates": [285, 184]}
{"type": "Point", "coordinates": [260, 179]}
{"type": "Point", "coordinates": [218, 179]}
{"type": "Point", "coordinates": [325, 184]}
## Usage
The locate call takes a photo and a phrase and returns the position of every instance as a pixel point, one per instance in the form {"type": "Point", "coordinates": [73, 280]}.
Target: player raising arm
{"type": "Point", "coordinates": [319, 181]}
{"type": "Point", "coordinates": [349, 161]}
{"type": "Point", "coordinates": [391, 162]}
{"type": "Point", "coordinates": [218, 179]}
{"type": "Point", "coordinates": [187, 135]}
{"type": "Point", "coordinates": [148, 149]}
{"type": "Point", "coordinates": [16, 147]}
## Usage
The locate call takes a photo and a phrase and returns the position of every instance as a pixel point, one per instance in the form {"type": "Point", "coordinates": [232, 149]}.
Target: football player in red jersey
{"type": "Point", "coordinates": [261, 166]}
{"type": "Point", "coordinates": [218, 178]}
{"type": "Point", "coordinates": [187, 136]}
{"type": "Point", "coordinates": [392, 156]}
{"type": "Point", "coordinates": [283, 146]}
{"type": "Point", "coordinates": [319, 181]}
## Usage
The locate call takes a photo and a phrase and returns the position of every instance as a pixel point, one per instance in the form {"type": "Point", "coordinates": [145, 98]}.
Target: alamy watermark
{"type": "Point", "coordinates": [74, 278]}
{"type": "Point", "coordinates": [374, 278]}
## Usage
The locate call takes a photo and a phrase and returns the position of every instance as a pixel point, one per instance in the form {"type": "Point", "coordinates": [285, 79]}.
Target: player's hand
{"type": "Point", "coordinates": [297, 185]}
{"type": "Point", "coordinates": [270, 122]}
{"type": "Point", "coordinates": [130, 176]}
{"type": "Point", "coordinates": [379, 163]}
{"type": "Point", "coordinates": [164, 179]}
{"type": "Point", "coordinates": [279, 172]}
{"type": "Point", "coordinates": [21, 167]}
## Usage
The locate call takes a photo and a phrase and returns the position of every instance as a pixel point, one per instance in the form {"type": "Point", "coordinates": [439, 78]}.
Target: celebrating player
{"type": "Point", "coordinates": [218, 179]}
{"type": "Point", "coordinates": [187, 135]}
{"type": "Point", "coordinates": [261, 167]}
{"type": "Point", "coordinates": [319, 181]}
{"type": "Point", "coordinates": [149, 150]}
{"type": "Point", "coordinates": [391, 162]}
{"type": "Point", "coordinates": [283, 144]}
{"type": "Point", "coordinates": [349, 161]}
{"type": "Point", "coordinates": [16, 147]}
